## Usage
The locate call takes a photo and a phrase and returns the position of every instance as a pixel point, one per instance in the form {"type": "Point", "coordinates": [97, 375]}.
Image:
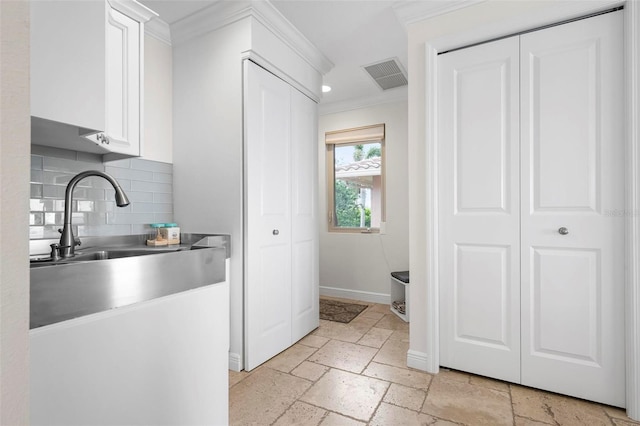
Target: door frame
{"type": "Point", "coordinates": [568, 10]}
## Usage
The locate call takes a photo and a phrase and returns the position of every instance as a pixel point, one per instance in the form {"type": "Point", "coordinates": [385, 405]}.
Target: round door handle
{"type": "Point", "coordinates": [563, 231]}
{"type": "Point", "coordinates": [276, 232]}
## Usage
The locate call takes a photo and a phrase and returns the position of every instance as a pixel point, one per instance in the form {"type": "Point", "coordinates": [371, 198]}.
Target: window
{"type": "Point", "coordinates": [355, 179]}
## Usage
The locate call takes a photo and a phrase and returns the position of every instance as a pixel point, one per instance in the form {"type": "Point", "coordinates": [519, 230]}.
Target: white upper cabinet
{"type": "Point", "coordinates": [86, 75]}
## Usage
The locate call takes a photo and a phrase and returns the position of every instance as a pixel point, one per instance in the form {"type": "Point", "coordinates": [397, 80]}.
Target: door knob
{"type": "Point", "coordinates": [563, 231]}
{"type": "Point", "coordinates": [276, 232]}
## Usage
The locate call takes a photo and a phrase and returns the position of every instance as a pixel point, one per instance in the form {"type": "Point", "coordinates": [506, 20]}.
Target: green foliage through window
{"type": "Point", "coordinates": [348, 209]}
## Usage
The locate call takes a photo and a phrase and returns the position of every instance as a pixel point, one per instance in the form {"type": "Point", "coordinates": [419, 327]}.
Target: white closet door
{"type": "Point", "coordinates": [573, 177]}
{"type": "Point", "coordinates": [267, 237]}
{"type": "Point", "coordinates": [304, 227]}
{"type": "Point", "coordinates": [479, 210]}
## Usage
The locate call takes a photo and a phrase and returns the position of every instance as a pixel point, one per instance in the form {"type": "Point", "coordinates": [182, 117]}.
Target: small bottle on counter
{"type": "Point", "coordinates": [155, 237]}
{"type": "Point", "coordinates": [171, 233]}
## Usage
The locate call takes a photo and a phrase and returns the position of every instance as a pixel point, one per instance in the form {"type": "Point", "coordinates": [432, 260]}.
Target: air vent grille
{"type": "Point", "coordinates": [387, 74]}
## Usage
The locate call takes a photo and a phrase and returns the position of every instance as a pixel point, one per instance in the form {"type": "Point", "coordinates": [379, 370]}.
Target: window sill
{"type": "Point", "coordinates": [354, 230]}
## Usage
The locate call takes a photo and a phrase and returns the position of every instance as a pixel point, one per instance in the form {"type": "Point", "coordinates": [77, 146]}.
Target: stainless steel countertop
{"type": "Point", "coordinates": [42, 247]}
{"type": "Point", "coordinates": [66, 291]}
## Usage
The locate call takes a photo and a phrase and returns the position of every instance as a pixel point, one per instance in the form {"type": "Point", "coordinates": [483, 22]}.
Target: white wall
{"type": "Point", "coordinates": [207, 149]}
{"type": "Point", "coordinates": [14, 203]}
{"type": "Point", "coordinates": [158, 101]}
{"type": "Point", "coordinates": [359, 265]}
{"type": "Point", "coordinates": [208, 129]}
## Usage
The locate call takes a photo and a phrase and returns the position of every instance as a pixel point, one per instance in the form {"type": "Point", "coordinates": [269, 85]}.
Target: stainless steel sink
{"type": "Point", "coordinates": [116, 272]}
{"type": "Point", "coordinates": [101, 255]}
{"type": "Point", "coordinates": [116, 254]}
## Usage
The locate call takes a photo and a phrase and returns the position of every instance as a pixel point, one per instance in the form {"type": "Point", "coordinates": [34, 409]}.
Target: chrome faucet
{"type": "Point", "coordinates": [68, 242]}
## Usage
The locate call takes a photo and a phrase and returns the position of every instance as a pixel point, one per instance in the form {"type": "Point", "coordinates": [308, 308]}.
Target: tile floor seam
{"type": "Point", "coordinates": [327, 411]}
{"type": "Point", "coordinates": [532, 419]}
{"type": "Point", "coordinates": [373, 413]}
{"type": "Point", "coordinates": [400, 406]}
{"type": "Point", "coordinates": [313, 382]}
{"type": "Point", "coordinates": [344, 415]}
{"type": "Point", "coordinates": [283, 413]}
{"type": "Point", "coordinates": [513, 411]}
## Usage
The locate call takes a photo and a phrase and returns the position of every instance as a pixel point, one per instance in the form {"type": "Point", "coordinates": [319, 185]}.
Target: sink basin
{"type": "Point", "coordinates": [102, 255]}
{"type": "Point", "coordinates": [106, 277]}
{"type": "Point", "coordinates": [115, 254]}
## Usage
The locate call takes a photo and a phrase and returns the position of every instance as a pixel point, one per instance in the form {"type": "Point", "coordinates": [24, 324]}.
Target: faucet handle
{"type": "Point", "coordinates": [55, 251]}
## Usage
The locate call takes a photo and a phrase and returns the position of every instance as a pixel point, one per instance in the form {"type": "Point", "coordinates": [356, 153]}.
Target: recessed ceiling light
{"type": "Point", "coordinates": [326, 89]}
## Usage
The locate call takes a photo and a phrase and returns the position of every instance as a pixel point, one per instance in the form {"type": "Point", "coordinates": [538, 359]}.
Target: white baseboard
{"type": "Point", "coordinates": [235, 362]}
{"type": "Point", "coordinates": [364, 296]}
{"type": "Point", "coordinates": [418, 360]}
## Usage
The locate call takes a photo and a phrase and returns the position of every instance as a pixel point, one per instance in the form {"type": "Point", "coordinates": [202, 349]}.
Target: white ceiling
{"type": "Point", "coordinates": [350, 33]}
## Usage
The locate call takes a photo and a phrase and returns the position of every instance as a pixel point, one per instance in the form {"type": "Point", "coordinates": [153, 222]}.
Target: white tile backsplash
{"type": "Point", "coordinates": [148, 184]}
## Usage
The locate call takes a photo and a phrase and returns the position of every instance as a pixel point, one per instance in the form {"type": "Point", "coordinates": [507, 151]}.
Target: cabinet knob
{"type": "Point", "coordinates": [102, 138]}
{"type": "Point", "coordinates": [563, 231]}
{"type": "Point", "coordinates": [276, 232]}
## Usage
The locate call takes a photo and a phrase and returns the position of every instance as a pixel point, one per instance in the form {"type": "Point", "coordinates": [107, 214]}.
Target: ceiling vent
{"type": "Point", "coordinates": [387, 74]}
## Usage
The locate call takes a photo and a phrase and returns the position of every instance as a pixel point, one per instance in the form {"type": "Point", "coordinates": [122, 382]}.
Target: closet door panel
{"type": "Point", "coordinates": [479, 210]}
{"type": "Point", "coordinates": [304, 229]}
{"type": "Point", "coordinates": [564, 108]}
{"type": "Point", "coordinates": [572, 185]}
{"type": "Point", "coordinates": [267, 216]}
{"type": "Point", "coordinates": [481, 289]}
{"type": "Point", "coordinates": [480, 150]}
{"type": "Point", "coordinates": [565, 285]}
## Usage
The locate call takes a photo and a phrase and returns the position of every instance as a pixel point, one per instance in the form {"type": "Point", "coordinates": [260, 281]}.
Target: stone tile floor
{"type": "Point", "coordinates": [356, 374]}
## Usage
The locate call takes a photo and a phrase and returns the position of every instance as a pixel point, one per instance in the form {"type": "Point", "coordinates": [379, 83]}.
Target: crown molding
{"type": "Point", "coordinates": [133, 10]}
{"type": "Point", "coordinates": [271, 17]}
{"type": "Point", "coordinates": [399, 94]}
{"type": "Point", "coordinates": [212, 18]}
{"type": "Point", "coordinates": [410, 11]}
{"type": "Point", "coordinates": [158, 29]}
{"type": "Point", "coordinates": [223, 13]}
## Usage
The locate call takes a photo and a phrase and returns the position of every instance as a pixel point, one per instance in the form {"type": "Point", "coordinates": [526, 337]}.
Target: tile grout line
{"type": "Point", "coordinates": [513, 411]}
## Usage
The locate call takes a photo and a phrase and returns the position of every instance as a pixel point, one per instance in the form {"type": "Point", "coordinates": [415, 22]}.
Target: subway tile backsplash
{"type": "Point", "coordinates": [148, 184]}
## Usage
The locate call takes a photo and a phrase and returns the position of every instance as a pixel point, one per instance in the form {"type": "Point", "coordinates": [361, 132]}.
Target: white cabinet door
{"type": "Point", "coordinates": [122, 119]}
{"type": "Point", "coordinates": [573, 177]}
{"type": "Point", "coordinates": [479, 210]}
{"type": "Point", "coordinates": [532, 271]}
{"type": "Point", "coordinates": [267, 231]}
{"type": "Point", "coordinates": [123, 84]}
{"type": "Point", "coordinates": [304, 227]}
{"type": "Point", "coordinates": [86, 69]}
{"type": "Point", "coordinates": [68, 63]}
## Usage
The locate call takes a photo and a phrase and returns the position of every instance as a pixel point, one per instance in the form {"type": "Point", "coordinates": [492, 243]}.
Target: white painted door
{"type": "Point", "coordinates": [304, 227]}
{"type": "Point", "coordinates": [569, 233]}
{"type": "Point", "coordinates": [267, 233]}
{"type": "Point", "coordinates": [573, 177]}
{"type": "Point", "coordinates": [480, 210]}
